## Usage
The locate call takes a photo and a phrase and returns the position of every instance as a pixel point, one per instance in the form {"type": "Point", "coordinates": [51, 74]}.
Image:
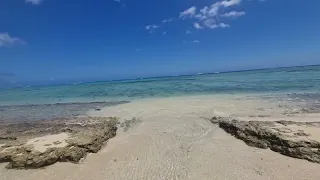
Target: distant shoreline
{"type": "Point", "coordinates": [153, 77]}
{"type": "Point", "coordinates": [303, 79]}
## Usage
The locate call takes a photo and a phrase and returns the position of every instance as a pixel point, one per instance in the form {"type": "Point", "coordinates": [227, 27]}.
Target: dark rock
{"type": "Point", "coordinates": [72, 154]}
{"type": "Point", "coordinates": [6, 146]}
{"type": "Point", "coordinates": [5, 157]}
{"type": "Point", "coordinates": [8, 138]}
{"type": "Point", "coordinates": [57, 142]}
{"type": "Point", "coordinates": [86, 139]}
{"type": "Point", "coordinates": [263, 135]}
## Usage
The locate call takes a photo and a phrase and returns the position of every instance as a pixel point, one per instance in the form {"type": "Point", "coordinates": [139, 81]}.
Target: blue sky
{"type": "Point", "coordinates": [82, 40]}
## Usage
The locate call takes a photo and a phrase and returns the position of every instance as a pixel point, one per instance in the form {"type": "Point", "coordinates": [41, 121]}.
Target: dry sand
{"type": "Point", "coordinates": [310, 133]}
{"type": "Point", "coordinates": [173, 140]}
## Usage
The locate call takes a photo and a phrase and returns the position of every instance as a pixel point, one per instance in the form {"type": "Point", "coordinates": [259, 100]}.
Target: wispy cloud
{"type": "Point", "coordinates": [227, 3]}
{"type": "Point", "coordinates": [117, 1]}
{"type": "Point", "coordinates": [208, 16]}
{"type": "Point", "coordinates": [188, 32]}
{"type": "Point", "coordinates": [223, 25]}
{"type": "Point", "coordinates": [35, 2]}
{"type": "Point", "coordinates": [189, 12]}
{"type": "Point", "coordinates": [197, 25]}
{"type": "Point", "coordinates": [152, 26]}
{"type": "Point", "coordinates": [210, 23]}
{"type": "Point", "coordinates": [188, 42]}
{"type": "Point", "coordinates": [211, 16]}
{"type": "Point", "coordinates": [167, 20]}
{"type": "Point", "coordinates": [233, 14]}
{"type": "Point", "coordinates": [7, 41]}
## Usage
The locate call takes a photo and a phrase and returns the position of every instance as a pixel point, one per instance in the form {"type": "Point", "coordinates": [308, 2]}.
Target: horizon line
{"type": "Point", "coordinates": [157, 77]}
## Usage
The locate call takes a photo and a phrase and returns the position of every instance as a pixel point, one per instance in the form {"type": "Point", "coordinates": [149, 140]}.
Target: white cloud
{"type": "Point", "coordinates": [209, 11]}
{"type": "Point", "coordinates": [223, 25]}
{"type": "Point", "coordinates": [189, 12]}
{"type": "Point", "coordinates": [213, 24]}
{"type": "Point", "coordinates": [35, 2]}
{"type": "Point", "coordinates": [151, 27]}
{"type": "Point", "coordinates": [6, 40]}
{"type": "Point", "coordinates": [213, 10]}
{"type": "Point", "coordinates": [228, 3]}
{"type": "Point", "coordinates": [164, 33]}
{"type": "Point", "coordinates": [167, 20]}
{"type": "Point", "coordinates": [117, 1]}
{"type": "Point", "coordinates": [209, 16]}
{"type": "Point", "coordinates": [210, 23]}
{"type": "Point", "coordinates": [188, 32]}
{"type": "Point", "coordinates": [200, 16]}
{"type": "Point", "coordinates": [196, 41]}
{"type": "Point", "coordinates": [204, 10]}
{"type": "Point", "coordinates": [197, 25]}
{"type": "Point", "coordinates": [233, 14]}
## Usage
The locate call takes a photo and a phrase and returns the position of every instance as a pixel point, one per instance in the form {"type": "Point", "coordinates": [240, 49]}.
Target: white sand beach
{"type": "Point", "coordinates": [173, 139]}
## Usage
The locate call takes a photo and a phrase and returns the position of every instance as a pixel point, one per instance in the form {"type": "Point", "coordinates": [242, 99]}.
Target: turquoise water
{"type": "Point", "coordinates": [282, 80]}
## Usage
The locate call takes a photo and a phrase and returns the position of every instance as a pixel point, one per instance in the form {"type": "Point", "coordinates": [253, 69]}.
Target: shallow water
{"type": "Point", "coordinates": [281, 80]}
{"type": "Point", "coordinates": [50, 111]}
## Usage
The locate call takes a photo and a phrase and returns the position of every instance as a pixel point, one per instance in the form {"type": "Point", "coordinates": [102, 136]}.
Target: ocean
{"type": "Point", "coordinates": [304, 79]}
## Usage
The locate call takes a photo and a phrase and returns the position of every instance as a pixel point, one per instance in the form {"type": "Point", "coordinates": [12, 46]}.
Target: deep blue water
{"type": "Point", "coordinates": [282, 80]}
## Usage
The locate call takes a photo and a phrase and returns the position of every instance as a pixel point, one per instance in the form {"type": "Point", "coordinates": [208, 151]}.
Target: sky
{"type": "Point", "coordinates": [95, 40]}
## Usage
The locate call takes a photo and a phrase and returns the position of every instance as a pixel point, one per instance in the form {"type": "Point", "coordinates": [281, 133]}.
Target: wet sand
{"type": "Point", "coordinates": [172, 138]}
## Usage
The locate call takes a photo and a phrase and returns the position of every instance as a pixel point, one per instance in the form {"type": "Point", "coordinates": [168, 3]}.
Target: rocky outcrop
{"type": "Point", "coordinates": [87, 138]}
{"type": "Point", "coordinates": [8, 138]}
{"type": "Point", "coordinates": [275, 135]}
